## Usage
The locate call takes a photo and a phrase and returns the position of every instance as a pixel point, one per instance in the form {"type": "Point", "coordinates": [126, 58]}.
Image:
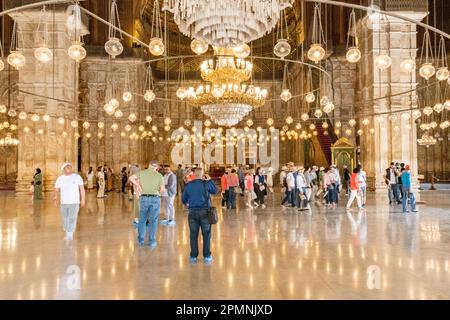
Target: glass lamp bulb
{"type": "Point", "coordinates": [149, 95]}
{"type": "Point", "coordinates": [12, 113]}
{"type": "Point", "coordinates": [408, 65]}
{"type": "Point", "coordinates": [2, 65]}
{"type": "Point", "coordinates": [127, 96]}
{"type": "Point", "coordinates": [324, 100]}
{"type": "Point", "coordinates": [447, 104]}
{"type": "Point", "coordinates": [76, 51]}
{"type": "Point", "coordinates": [113, 47]}
{"type": "Point", "coordinates": [43, 54]}
{"type": "Point", "coordinates": [318, 113]}
{"type": "Point", "coordinates": [383, 61]}
{"type": "Point", "coordinates": [199, 46]}
{"type": "Point", "coordinates": [353, 55]}
{"type": "Point", "coordinates": [285, 95]}
{"type": "Point", "coordinates": [3, 108]}
{"type": "Point", "coordinates": [23, 115]}
{"type": "Point", "coordinates": [427, 110]}
{"type": "Point", "coordinates": [438, 107]}
{"type": "Point", "coordinates": [352, 122]}
{"type": "Point", "coordinates": [427, 70]}
{"type": "Point", "coordinates": [282, 48]}
{"type": "Point", "coordinates": [109, 109]}
{"type": "Point", "coordinates": [156, 46]}
{"type": "Point", "coordinates": [310, 97]}
{"type": "Point", "coordinates": [316, 52]}
{"type": "Point", "coordinates": [442, 74]}
{"type": "Point", "coordinates": [118, 114]}
{"type": "Point", "coordinates": [181, 93]}
{"type": "Point", "coordinates": [16, 59]}
{"type": "Point", "coordinates": [132, 117]}
{"type": "Point", "coordinates": [304, 117]}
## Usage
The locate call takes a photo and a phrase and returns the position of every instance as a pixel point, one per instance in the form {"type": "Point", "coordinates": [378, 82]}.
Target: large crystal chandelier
{"type": "Point", "coordinates": [225, 97]}
{"type": "Point", "coordinates": [226, 23]}
{"type": "Point", "coordinates": [8, 141]}
{"type": "Point", "coordinates": [426, 140]}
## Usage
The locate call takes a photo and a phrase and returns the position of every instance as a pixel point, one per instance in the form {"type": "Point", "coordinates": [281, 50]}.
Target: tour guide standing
{"type": "Point", "coordinates": [196, 196]}
{"type": "Point", "coordinates": [69, 188]}
{"type": "Point", "coordinates": [148, 184]}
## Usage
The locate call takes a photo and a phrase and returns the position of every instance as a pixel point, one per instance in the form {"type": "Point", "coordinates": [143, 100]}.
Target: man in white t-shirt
{"type": "Point", "coordinates": [69, 189]}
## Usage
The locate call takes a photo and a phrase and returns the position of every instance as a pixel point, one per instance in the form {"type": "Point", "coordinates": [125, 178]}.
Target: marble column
{"type": "Point", "coordinates": [105, 146]}
{"type": "Point", "coordinates": [45, 144]}
{"type": "Point", "coordinates": [394, 138]}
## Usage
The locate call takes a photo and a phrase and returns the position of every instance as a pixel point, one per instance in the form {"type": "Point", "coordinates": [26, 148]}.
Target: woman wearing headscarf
{"type": "Point", "coordinates": [37, 179]}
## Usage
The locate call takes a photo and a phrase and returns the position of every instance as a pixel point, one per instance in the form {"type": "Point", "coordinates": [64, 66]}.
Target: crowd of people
{"type": "Point", "coordinates": [398, 182]}
{"type": "Point", "coordinates": [155, 188]}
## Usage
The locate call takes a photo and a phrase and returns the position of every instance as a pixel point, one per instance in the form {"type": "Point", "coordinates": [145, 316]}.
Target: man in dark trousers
{"type": "Point", "coordinates": [196, 196]}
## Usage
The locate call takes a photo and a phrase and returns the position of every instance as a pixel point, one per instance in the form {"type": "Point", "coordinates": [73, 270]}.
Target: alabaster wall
{"type": "Point", "coordinates": [47, 144]}
{"type": "Point", "coordinates": [113, 148]}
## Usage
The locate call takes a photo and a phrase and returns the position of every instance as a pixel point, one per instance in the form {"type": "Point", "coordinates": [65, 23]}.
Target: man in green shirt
{"type": "Point", "coordinates": [148, 185]}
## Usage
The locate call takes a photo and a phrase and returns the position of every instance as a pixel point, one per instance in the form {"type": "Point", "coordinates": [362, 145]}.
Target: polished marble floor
{"type": "Point", "coordinates": [258, 254]}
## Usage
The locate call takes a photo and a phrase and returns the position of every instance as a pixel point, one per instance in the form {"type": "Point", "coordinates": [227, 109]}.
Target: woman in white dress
{"type": "Point", "coordinates": [90, 179]}
{"type": "Point", "coordinates": [101, 183]}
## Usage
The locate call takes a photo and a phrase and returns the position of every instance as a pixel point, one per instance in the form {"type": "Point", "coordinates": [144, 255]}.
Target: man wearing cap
{"type": "Point", "coordinates": [69, 188]}
{"type": "Point", "coordinates": [148, 185]}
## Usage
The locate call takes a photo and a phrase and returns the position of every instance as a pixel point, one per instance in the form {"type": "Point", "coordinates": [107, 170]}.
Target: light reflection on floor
{"type": "Point", "coordinates": [265, 254]}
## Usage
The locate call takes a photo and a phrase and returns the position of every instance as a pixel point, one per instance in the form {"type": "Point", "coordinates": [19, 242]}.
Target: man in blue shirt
{"type": "Point", "coordinates": [196, 196]}
{"type": "Point", "coordinates": [406, 188]}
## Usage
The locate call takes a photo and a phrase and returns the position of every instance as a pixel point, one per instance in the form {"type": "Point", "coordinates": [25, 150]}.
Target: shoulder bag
{"type": "Point", "coordinates": [213, 217]}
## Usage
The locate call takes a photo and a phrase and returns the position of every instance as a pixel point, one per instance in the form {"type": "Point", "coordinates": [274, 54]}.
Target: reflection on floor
{"type": "Point", "coordinates": [261, 254]}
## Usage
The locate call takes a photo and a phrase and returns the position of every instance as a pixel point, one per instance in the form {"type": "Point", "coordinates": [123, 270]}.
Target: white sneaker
{"type": "Point", "coordinates": [263, 206]}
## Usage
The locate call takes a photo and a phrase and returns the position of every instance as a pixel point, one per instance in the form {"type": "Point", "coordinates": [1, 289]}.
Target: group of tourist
{"type": "Point", "coordinates": [398, 182]}
{"type": "Point", "coordinates": [253, 184]}
{"type": "Point", "coordinates": [302, 185]}
{"type": "Point", "coordinates": [157, 186]}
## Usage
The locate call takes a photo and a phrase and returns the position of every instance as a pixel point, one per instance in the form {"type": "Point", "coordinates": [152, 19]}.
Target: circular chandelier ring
{"type": "Point", "coordinates": [267, 100]}
{"type": "Point", "coordinates": [250, 58]}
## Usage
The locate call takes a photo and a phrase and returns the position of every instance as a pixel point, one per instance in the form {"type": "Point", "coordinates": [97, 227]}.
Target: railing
{"type": "Point", "coordinates": [406, 5]}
